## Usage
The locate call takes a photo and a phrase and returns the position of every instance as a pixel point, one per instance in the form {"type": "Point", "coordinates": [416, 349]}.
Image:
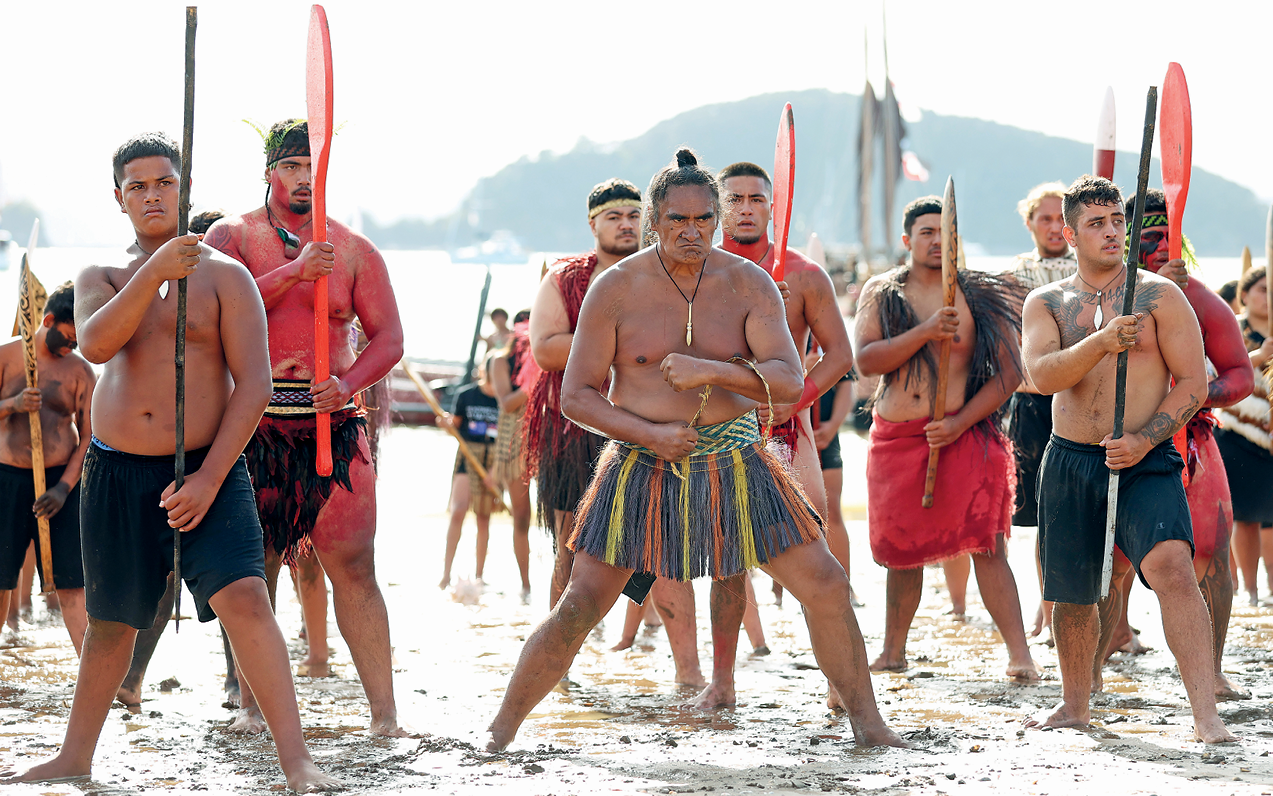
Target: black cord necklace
{"type": "Point", "coordinates": [689, 324]}
{"type": "Point", "coordinates": [1099, 317]}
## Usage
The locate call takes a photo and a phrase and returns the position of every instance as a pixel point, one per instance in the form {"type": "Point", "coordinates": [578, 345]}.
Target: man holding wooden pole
{"type": "Point", "coordinates": [299, 508]}
{"type": "Point", "coordinates": [63, 406]}
{"type": "Point", "coordinates": [972, 496]}
{"type": "Point", "coordinates": [1072, 338]}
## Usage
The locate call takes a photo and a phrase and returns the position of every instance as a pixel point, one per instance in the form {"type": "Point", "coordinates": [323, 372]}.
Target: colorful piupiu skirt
{"type": "Point", "coordinates": [732, 505]}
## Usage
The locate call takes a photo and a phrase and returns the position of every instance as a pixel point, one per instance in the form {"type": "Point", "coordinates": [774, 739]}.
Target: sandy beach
{"type": "Point", "coordinates": [616, 725]}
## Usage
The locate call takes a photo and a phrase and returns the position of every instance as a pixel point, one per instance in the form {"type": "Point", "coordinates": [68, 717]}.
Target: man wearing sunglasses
{"type": "Point", "coordinates": [62, 401]}
{"type": "Point", "coordinates": [300, 510]}
{"type": "Point", "coordinates": [1206, 487]}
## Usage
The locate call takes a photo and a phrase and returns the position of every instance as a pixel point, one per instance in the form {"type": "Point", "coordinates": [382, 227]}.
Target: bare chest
{"type": "Point", "coordinates": [655, 320]}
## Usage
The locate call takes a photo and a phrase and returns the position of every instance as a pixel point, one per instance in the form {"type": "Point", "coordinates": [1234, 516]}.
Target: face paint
{"type": "Point", "coordinates": [55, 341]}
{"type": "Point", "coordinates": [1149, 243]}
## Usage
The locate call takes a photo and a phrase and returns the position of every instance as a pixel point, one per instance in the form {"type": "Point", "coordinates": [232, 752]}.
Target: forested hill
{"type": "Point", "coordinates": [542, 199]}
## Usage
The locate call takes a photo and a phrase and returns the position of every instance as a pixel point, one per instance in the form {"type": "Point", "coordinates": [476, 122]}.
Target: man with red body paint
{"type": "Point", "coordinates": [1207, 488]}
{"type": "Point", "coordinates": [337, 515]}
{"type": "Point", "coordinates": [811, 310]}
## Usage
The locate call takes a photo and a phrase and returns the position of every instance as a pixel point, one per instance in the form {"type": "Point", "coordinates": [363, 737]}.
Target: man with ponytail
{"type": "Point", "coordinates": [690, 340]}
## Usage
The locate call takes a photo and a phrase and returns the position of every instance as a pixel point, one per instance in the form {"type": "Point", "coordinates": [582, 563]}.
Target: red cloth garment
{"type": "Point", "coordinates": [972, 501]}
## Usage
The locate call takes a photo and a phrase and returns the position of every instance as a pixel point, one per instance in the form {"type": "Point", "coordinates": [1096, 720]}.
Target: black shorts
{"type": "Point", "coordinates": [1073, 491]}
{"type": "Point", "coordinates": [128, 544]}
{"type": "Point", "coordinates": [830, 457]}
{"type": "Point", "coordinates": [1029, 427]}
{"type": "Point", "coordinates": [1249, 468]}
{"type": "Point", "coordinates": [20, 528]}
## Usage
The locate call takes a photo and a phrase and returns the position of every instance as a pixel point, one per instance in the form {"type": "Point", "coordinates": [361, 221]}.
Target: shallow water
{"type": "Point", "coordinates": [616, 726]}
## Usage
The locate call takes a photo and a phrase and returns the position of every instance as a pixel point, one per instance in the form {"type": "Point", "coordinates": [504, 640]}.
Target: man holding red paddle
{"type": "Point", "coordinates": [299, 507]}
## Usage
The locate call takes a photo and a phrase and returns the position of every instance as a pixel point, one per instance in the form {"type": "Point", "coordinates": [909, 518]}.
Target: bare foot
{"type": "Point", "coordinates": [1098, 681]}
{"type": "Point", "coordinates": [249, 722]}
{"type": "Point", "coordinates": [1063, 716]}
{"type": "Point", "coordinates": [1040, 622]}
{"type": "Point", "coordinates": [834, 702]}
{"type": "Point", "coordinates": [1127, 641]}
{"type": "Point", "coordinates": [624, 643]}
{"type": "Point", "coordinates": [714, 696]}
{"type": "Point", "coordinates": [883, 664]}
{"type": "Point", "coordinates": [308, 779]}
{"type": "Point", "coordinates": [446, 581]}
{"type": "Point", "coordinates": [691, 679]}
{"type": "Point", "coordinates": [958, 614]}
{"type": "Point", "coordinates": [497, 740]}
{"type": "Point", "coordinates": [53, 770]}
{"type": "Point", "coordinates": [1213, 731]}
{"type": "Point", "coordinates": [878, 735]}
{"type": "Point", "coordinates": [129, 698]}
{"type": "Point", "coordinates": [1025, 671]}
{"type": "Point", "coordinates": [1253, 598]}
{"type": "Point", "coordinates": [313, 670]}
{"type": "Point", "coordinates": [1226, 689]}
{"type": "Point", "coordinates": [760, 651]}
{"type": "Point", "coordinates": [525, 595]}
{"type": "Point", "coordinates": [233, 697]}
{"type": "Point", "coordinates": [390, 728]}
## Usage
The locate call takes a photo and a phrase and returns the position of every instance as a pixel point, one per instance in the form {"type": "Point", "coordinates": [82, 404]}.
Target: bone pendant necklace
{"type": "Point", "coordinates": [1099, 317]}
{"type": "Point", "coordinates": [689, 323]}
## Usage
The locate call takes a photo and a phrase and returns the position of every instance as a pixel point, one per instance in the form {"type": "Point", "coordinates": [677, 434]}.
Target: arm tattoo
{"type": "Point", "coordinates": [219, 238]}
{"type": "Point", "coordinates": [1162, 426]}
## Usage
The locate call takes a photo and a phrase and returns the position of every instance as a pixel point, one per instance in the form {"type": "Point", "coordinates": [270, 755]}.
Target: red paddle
{"type": "Point", "coordinates": [784, 181]}
{"type": "Point", "coordinates": [1103, 152]}
{"type": "Point", "coordinates": [1177, 153]}
{"type": "Point", "coordinates": [318, 102]}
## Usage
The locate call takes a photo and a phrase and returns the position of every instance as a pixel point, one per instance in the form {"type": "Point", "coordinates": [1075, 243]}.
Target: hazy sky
{"type": "Point", "coordinates": [435, 95]}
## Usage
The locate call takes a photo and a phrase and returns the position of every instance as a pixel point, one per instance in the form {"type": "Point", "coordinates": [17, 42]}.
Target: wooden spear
{"type": "Point", "coordinates": [183, 227]}
{"type": "Point", "coordinates": [29, 317]}
{"type": "Point", "coordinates": [950, 261]}
{"type": "Point", "coordinates": [1129, 306]}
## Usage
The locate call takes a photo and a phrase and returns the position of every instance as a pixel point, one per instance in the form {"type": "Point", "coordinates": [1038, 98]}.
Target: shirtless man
{"type": "Point", "coordinates": [62, 399]}
{"type": "Point", "coordinates": [561, 455]}
{"type": "Point", "coordinates": [337, 516]}
{"type": "Point", "coordinates": [973, 497]}
{"type": "Point", "coordinates": [811, 308]}
{"type": "Point", "coordinates": [131, 507]}
{"type": "Point", "coordinates": [1068, 356]}
{"type": "Point", "coordinates": [1207, 490]}
{"type": "Point", "coordinates": [733, 352]}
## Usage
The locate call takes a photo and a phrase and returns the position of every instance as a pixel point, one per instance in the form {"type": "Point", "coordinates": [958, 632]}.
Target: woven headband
{"type": "Point", "coordinates": [593, 212]}
{"type": "Point", "coordinates": [298, 149]}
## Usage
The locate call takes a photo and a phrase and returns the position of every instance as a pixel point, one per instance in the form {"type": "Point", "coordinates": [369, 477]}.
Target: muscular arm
{"type": "Point", "coordinates": [993, 393]}
{"type": "Point", "coordinates": [106, 319]}
{"type": "Point", "coordinates": [1051, 367]}
{"type": "Point", "coordinates": [510, 399]}
{"type": "Point", "coordinates": [83, 411]}
{"type": "Point", "coordinates": [875, 355]}
{"type": "Point", "coordinates": [1223, 344]}
{"type": "Point", "coordinates": [377, 310]}
{"type": "Point", "coordinates": [822, 313]}
{"type": "Point", "coordinates": [1180, 342]}
{"type": "Point", "coordinates": [313, 261]}
{"type": "Point", "coordinates": [550, 334]}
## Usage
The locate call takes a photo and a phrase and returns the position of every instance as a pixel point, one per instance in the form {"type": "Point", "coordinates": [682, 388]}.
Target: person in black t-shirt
{"type": "Point", "coordinates": [476, 417]}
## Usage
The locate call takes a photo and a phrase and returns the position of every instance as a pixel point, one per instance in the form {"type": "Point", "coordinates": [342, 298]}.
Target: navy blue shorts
{"type": "Point", "coordinates": [18, 528]}
{"type": "Point", "coordinates": [127, 543]}
{"type": "Point", "coordinates": [1073, 490]}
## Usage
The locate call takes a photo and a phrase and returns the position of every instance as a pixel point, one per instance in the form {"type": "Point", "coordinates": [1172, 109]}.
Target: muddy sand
{"type": "Point", "coordinates": [617, 725]}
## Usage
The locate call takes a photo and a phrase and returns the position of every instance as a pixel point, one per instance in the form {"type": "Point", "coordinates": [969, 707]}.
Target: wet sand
{"type": "Point", "coordinates": [616, 726]}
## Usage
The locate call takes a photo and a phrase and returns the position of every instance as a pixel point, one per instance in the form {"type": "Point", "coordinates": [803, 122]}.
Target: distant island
{"type": "Point", "coordinates": [540, 200]}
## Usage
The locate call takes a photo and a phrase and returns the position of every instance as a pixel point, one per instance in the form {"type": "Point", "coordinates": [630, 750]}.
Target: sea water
{"type": "Point", "coordinates": [437, 299]}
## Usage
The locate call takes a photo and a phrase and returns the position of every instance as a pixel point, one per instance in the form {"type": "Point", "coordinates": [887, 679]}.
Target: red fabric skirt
{"type": "Point", "coordinates": [972, 500]}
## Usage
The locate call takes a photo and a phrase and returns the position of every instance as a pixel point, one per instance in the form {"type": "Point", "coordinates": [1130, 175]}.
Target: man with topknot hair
{"type": "Point", "coordinates": [690, 340]}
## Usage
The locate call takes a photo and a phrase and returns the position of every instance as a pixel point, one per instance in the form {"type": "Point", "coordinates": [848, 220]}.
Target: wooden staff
{"type": "Point", "coordinates": [318, 104]}
{"type": "Point", "coordinates": [1129, 306]}
{"type": "Point", "coordinates": [465, 450]}
{"type": "Point", "coordinates": [183, 227]}
{"type": "Point", "coordinates": [29, 318]}
{"type": "Point", "coordinates": [1246, 259]}
{"type": "Point", "coordinates": [784, 182]}
{"type": "Point", "coordinates": [950, 261]}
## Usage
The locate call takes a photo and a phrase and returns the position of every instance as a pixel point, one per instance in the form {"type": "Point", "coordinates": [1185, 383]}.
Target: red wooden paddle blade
{"type": "Point", "coordinates": [784, 181]}
{"type": "Point", "coordinates": [1177, 152]}
{"type": "Point", "coordinates": [318, 101]}
{"type": "Point", "coordinates": [1103, 152]}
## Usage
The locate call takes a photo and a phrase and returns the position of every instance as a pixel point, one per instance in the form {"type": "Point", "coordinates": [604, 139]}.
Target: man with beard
{"type": "Point", "coordinates": [131, 507]}
{"type": "Point", "coordinates": [1206, 484]}
{"type": "Point", "coordinates": [1072, 340]}
{"type": "Point", "coordinates": [301, 510]}
{"type": "Point", "coordinates": [62, 400]}
{"type": "Point", "coordinates": [811, 309]}
{"type": "Point", "coordinates": [560, 454]}
{"type": "Point", "coordinates": [900, 323]}
{"type": "Point", "coordinates": [686, 488]}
